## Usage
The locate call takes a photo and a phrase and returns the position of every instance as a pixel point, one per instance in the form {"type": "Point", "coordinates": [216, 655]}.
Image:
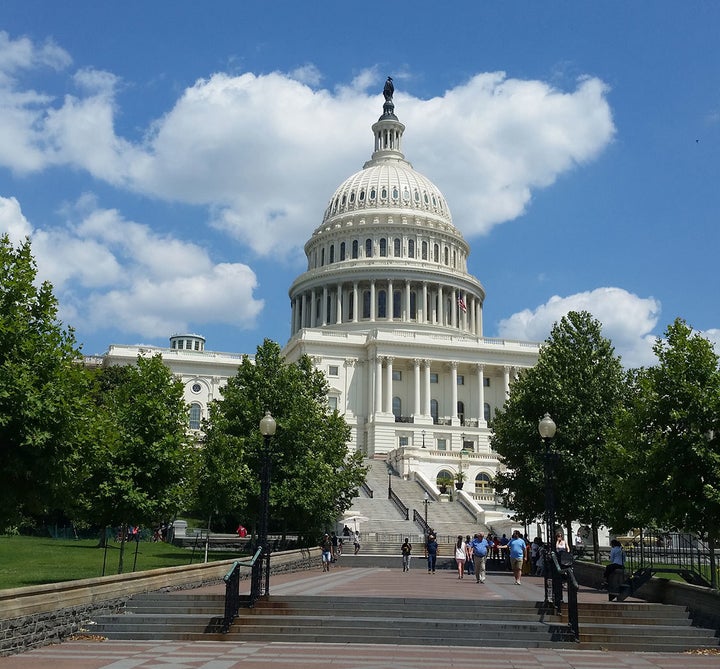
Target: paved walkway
{"type": "Point", "coordinates": [345, 654]}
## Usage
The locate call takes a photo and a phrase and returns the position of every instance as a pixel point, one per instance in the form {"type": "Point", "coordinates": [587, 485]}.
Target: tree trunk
{"type": "Point", "coordinates": [713, 570]}
{"type": "Point", "coordinates": [123, 535]}
{"type": "Point", "coordinates": [596, 542]}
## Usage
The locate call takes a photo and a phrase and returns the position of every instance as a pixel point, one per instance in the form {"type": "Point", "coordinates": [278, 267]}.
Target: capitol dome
{"type": "Point", "coordinates": [387, 250]}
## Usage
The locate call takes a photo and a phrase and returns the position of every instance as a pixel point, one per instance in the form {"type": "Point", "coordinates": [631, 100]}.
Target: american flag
{"type": "Point", "coordinates": [461, 304]}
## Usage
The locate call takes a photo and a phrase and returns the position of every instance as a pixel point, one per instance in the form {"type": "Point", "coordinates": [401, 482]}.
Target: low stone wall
{"type": "Point", "coordinates": [40, 615]}
{"type": "Point", "coordinates": [703, 603]}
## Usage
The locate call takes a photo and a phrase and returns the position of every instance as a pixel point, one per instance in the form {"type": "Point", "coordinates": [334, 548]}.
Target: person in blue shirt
{"type": "Point", "coordinates": [518, 549]}
{"type": "Point", "coordinates": [479, 546]}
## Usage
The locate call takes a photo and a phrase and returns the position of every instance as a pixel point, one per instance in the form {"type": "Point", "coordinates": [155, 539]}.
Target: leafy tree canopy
{"type": "Point", "coordinates": [578, 380]}
{"type": "Point", "coordinates": [43, 399]}
{"type": "Point", "coordinates": [313, 476]}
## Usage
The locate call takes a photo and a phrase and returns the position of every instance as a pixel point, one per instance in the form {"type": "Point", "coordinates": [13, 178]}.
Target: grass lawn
{"type": "Point", "coordinates": [38, 560]}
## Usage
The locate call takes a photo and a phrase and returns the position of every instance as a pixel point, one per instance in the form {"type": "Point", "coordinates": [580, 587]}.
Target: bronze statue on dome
{"type": "Point", "coordinates": [389, 89]}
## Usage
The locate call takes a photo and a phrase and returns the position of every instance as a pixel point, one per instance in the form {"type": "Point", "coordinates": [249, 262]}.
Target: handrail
{"type": "Point", "coordinates": [420, 520]}
{"type": "Point", "coordinates": [392, 496]}
{"type": "Point", "coordinates": [367, 489]}
{"type": "Point", "coordinates": [232, 589]}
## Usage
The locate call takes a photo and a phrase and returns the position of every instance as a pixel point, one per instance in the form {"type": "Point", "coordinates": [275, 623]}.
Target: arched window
{"type": "Point", "coordinates": [397, 304]}
{"type": "Point", "coordinates": [194, 416]}
{"type": "Point", "coordinates": [482, 483]}
{"type": "Point", "coordinates": [351, 305]}
{"type": "Point", "coordinates": [332, 253]}
{"type": "Point", "coordinates": [342, 251]}
{"type": "Point", "coordinates": [424, 251]}
{"type": "Point", "coordinates": [383, 248]}
{"type": "Point", "coordinates": [366, 304]}
{"type": "Point", "coordinates": [461, 413]}
{"type": "Point", "coordinates": [396, 247]}
{"type": "Point", "coordinates": [447, 255]}
{"type": "Point", "coordinates": [355, 249]}
{"type": "Point", "coordinates": [434, 410]}
{"type": "Point", "coordinates": [397, 407]}
{"type": "Point", "coordinates": [443, 474]}
{"type": "Point", "coordinates": [411, 248]}
{"type": "Point", "coordinates": [322, 257]}
{"type": "Point", "coordinates": [368, 248]}
{"type": "Point", "coordinates": [486, 411]}
{"type": "Point", "coordinates": [382, 304]}
{"type": "Point", "coordinates": [413, 305]}
{"type": "Point", "coordinates": [436, 253]}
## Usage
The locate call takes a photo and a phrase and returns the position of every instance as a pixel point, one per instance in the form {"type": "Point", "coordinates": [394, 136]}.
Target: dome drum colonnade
{"type": "Point", "coordinates": [387, 309]}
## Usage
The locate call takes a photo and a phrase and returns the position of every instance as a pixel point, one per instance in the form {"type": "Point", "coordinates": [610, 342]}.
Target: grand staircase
{"type": "Point", "coordinates": [406, 620]}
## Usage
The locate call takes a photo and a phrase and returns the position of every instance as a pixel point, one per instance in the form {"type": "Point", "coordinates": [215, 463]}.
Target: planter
{"type": "Point", "coordinates": [459, 485]}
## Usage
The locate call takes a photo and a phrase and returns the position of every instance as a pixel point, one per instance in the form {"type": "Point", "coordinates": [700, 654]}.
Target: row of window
{"type": "Point", "coordinates": [333, 370]}
{"type": "Point", "coordinates": [371, 195]}
{"type": "Point", "coordinates": [384, 249]}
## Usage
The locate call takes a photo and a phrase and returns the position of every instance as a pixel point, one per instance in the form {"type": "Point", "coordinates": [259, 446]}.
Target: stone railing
{"type": "Point", "coordinates": [39, 615]}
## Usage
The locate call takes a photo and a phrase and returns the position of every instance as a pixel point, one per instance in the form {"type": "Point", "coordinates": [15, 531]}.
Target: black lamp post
{"type": "Point", "coordinates": [426, 501]}
{"type": "Point", "coordinates": [553, 583]}
{"type": "Point", "coordinates": [423, 436]}
{"type": "Point", "coordinates": [389, 473]}
{"type": "Point", "coordinates": [267, 429]}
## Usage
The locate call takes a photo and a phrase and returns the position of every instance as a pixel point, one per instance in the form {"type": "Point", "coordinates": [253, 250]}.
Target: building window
{"type": "Point", "coordinates": [368, 248]}
{"type": "Point", "coordinates": [461, 412]}
{"type": "Point", "coordinates": [333, 370]}
{"type": "Point", "coordinates": [441, 444]}
{"type": "Point", "coordinates": [351, 306]}
{"type": "Point", "coordinates": [424, 248]}
{"type": "Point", "coordinates": [382, 304]}
{"type": "Point", "coordinates": [482, 483]}
{"type": "Point", "coordinates": [397, 304]}
{"type": "Point", "coordinates": [397, 407]}
{"type": "Point", "coordinates": [486, 381]}
{"type": "Point", "coordinates": [403, 441]}
{"type": "Point", "coordinates": [397, 375]}
{"type": "Point", "coordinates": [342, 251]}
{"type": "Point", "coordinates": [355, 249]}
{"type": "Point", "coordinates": [411, 248]}
{"type": "Point", "coordinates": [434, 410]}
{"type": "Point", "coordinates": [486, 412]}
{"type": "Point", "coordinates": [413, 306]}
{"type": "Point", "coordinates": [366, 304]}
{"type": "Point", "coordinates": [396, 247]}
{"type": "Point", "coordinates": [447, 255]}
{"type": "Point", "coordinates": [196, 387]}
{"type": "Point", "coordinates": [194, 416]}
{"type": "Point", "coordinates": [433, 377]}
{"type": "Point", "coordinates": [322, 257]}
{"type": "Point", "coordinates": [332, 253]}
{"type": "Point", "coordinates": [383, 248]}
{"type": "Point", "coordinates": [333, 403]}
{"type": "Point", "coordinates": [436, 253]}
{"type": "Point", "coordinates": [460, 379]}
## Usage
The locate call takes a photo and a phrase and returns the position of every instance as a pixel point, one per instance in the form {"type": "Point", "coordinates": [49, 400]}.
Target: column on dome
{"type": "Point", "coordinates": [506, 380]}
{"type": "Point", "coordinates": [356, 306]}
{"type": "Point", "coordinates": [378, 385]}
{"type": "Point", "coordinates": [422, 311]}
{"type": "Point", "coordinates": [390, 300]}
{"type": "Point", "coordinates": [323, 307]}
{"type": "Point", "coordinates": [440, 306]}
{"type": "Point", "coordinates": [388, 384]}
{"type": "Point", "coordinates": [416, 388]}
{"type": "Point", "coordinates": [372, 301]}
{"type": "Point", "coordinates": [313, 308]}
{"type": "Point", "coordinates": [453, 393]}
{"type": "Point", "coordinates": [454, 295]}
{"type": "Point", "coordinates": [479, 322]}
{"type": "Point", "coordinates": [293, 315]}
{"type": "Point", "coordinates": [338, 305]}
{"type": "Point", "coordinates": [426, 369]}
{"type": "Point", "coordinates": [481, 394]}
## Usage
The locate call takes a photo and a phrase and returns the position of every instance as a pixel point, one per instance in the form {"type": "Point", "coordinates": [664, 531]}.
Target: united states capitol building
{"type": "Point", "coordinates": [388, 311]}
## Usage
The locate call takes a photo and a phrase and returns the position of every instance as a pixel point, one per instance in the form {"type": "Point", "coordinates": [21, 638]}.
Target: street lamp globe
{"type": "Point", "coordinates": [267, 425]}
{"type": "Point", "coordinates": [547, 427]}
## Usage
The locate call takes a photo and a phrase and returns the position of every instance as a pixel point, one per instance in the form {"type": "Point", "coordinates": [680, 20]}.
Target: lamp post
{"type": "Point", "coordinates": [553, 584]}
{"type": "Point", "coordinates": [267, 429]}
{"type": "Point", "coordinates": [426, 501]}
{"type": "Point", "coordinates": [389, 473]}
{"type": "Point", "coordinates": [423, 436]}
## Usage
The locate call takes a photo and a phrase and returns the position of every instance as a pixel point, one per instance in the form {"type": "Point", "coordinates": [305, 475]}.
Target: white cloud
{"type": "Point", "coordinates": [12, 221]}
{"type": "Point", "coordinates": [108, 271]}
{"type": "Point", "coordinates": [263, 153]}
{"type": "Point", "coordinates": [627, 320]}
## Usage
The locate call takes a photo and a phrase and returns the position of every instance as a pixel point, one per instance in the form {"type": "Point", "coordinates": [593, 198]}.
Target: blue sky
{"type": "Point", "coordinates": [170, 159]}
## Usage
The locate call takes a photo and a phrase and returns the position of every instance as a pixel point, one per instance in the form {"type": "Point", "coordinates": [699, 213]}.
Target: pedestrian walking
{"type": "Point", "coordinates": [406, 550]}
{"type": "Point", "coordinates": [480, 548]}
{"type": "Point", "coordinates": [517, 549]}
{"type": "Point", "coordinates": [431, 549]}
{"type": "Point", "coordinates": [460, 556]}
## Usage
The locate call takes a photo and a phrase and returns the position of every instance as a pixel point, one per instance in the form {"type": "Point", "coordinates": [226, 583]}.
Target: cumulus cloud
{"type": "Point", "coordinates": [109, 271]}
{"type": "Point", "coordinates": [627, 320]}
{"type": "Point", "coordinates": [263, 153]}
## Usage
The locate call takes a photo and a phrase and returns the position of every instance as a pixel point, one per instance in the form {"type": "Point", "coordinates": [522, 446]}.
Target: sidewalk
{"type": "Point", "coordinates": [348, 582]}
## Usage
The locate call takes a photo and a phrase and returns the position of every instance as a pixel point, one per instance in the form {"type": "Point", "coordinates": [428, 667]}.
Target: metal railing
{"type": "Point", "coordinates": [232, 589]}
{"type": "Point", "coordinates": [367, 489]}
{"type": "Point", "coordinates": [392, 496]}
{"type": "Point", "coordinates": [420, 520]}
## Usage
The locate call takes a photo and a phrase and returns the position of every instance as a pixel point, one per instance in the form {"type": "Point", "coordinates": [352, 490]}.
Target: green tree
{"type": "Point", "coordinates": [139, 464]}
{"type": "Point", "coordinates": [314, 478]}
{"type": "Point", "coordinates": [579, 381]}
{"type": "Point", "coordinates": [43, 392]}
{"type": "Point", "coordinates": [669, 436]}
